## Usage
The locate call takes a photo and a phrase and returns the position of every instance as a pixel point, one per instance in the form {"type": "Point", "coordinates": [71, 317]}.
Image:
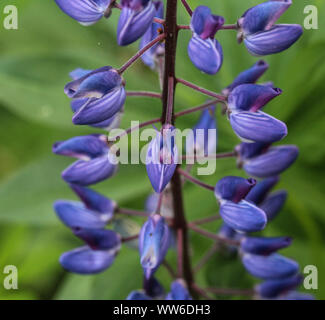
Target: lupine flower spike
{"type": "Point", "coordinates": [246, 204]}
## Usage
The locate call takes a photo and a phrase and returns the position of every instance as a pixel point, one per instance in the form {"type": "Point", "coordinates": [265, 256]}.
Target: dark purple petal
{"type": "Point", "coordinates": [89, 172]}
{"type": "Point", "coordinates": [233, 188]}
{"type": "Point", "coordinates": [250, 150]}
{"type": "Point", "coordinates": [98, 110]}
{"type": "Point", "coordinates": [227, 232]}
{"type": "Point", "coordinates": [154, 242]}
{"type": "Point", "coordinates": [153, 288]}
{"type": "Point", "coordinates": [273, 204]}
{"type": "Point", "coordinates": [83, 147]}
{"type": "Point", "coordinates": [137, 295]}
{"type": "Point", "coordinates": [204, 23]}
{"type": "Point", "coordinates": [249, 76]}
{"type": "Point", "coordinates": [75, 215]}
{"type": "Point", "coordinates": [243, 216]}
{"type": "Point", "coordinates": [251, 97]}
{"type": "Point", "coordinates": [273, 162]}
{"type": "Point", "coordinates": [111, 123]}
{"type": "Point", "coordinates": [264, 246]}
{"type": "Point", "coordinates": [273, 288]}
{"type": "Point", "coordinates": [99, 239]}
{"type": "Point", "coordinates": [84, 11]}
{"type": "Point", "coordinates": [133, 24]}
{"type": "Point", "coordinates": [206, 55]}
{"type": "Point", "coordinates": [257, 127]}
{"type": "Point", "coordinates": [275, 40]}
{"type": "Point", "coordinates": [178, 291]}
{"type": "Point", "coordinates": [86, 261]}
{"type": "Point", "coordinates": [161, 160]}
{"type": "Point", "coordinates": [94, 200]}
{"type": "Point", "coordinates": [261, 190]}
{"type": "Point", "coordinates": [263, 16]}
{"type": "Point", "coordinates": [205, 135]}
{"type": "Point", "coordinates": [273, 266]}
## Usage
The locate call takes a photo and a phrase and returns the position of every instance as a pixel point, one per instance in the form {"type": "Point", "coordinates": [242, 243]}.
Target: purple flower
{"type": "Point", "coordinates": [99, 239]}
{"type": "Point", "coordinates": [273, 288]}
{"type": "Point", "coordinates": [263, 246]}
{"type": "Point", "coordinates": [248, 76]}
{"type": "Point", "coordinates": [251, 97]}
{"type": "Point", "coordinates": [154, 242]}
{"type": "Point", "coordinates": [86, 12]}
{"type": "Point", "coordinates": [261, 190]}
{"type": "Point", "coordinates": [76, 215]}
{"type": "Point", "coordinates": [95, 162]}
{"type": "Point", "coordinates": [151, 55]}
{"type": "Point", "coordinates": [84, 260]}
{"type": "Point", "coordinates": [204, 139]}
{"type": "Point", "coordinates": [233, 188]}
{"type": "Point", "coordinates": [204, 51]}
{"type": "Point", "coordinates": [259, 33]}
{"type": "Point", "coordinates": [97, 95]}
{"type": "Point", "coordinates": [273, 266]}
{"type": "Point", "coordinates": [178, 291]}
{"type": "Point", "coordinates": [250, 150]}
{"type": "Point", "coordinates": [135, 19]}
{"type": "Point", "coordinates": [242, 216]}
{"type": "Point", "coordinates": [162, 157]}
{"type": "Point", "coordinates": [273, 204]}
{"type": "Point", "coordinates": [274, 161]}
{"type": "Point", "coordinates": [257, 127]}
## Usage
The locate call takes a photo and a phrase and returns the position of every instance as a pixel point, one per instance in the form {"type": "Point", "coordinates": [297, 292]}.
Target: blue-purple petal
{"type": "Point", "coordinates": [84, 11]}
{"type": "Point", "coordinates": [249, 76]}
{"type": "Point", "coordinates": [133, 24]}
{"type": "Point", "coordinates": [275, 40]}
{"type": "Point", "coordinates": [273, 204]}
{"type": "Point", "coordinates": [273, 266]}
{"type": "Point", "coordinates": [233, 188]}
{"type": "Point", "coordinates": [206, 55]}
{"type": "Point", "coordinates": [264, 246]}
{"type": "Point", "coordinates": [257, 127]}
{"type": "Point", "coordinates": [251, 97]}
{"type": "Point", "coordinates": [89, 172]}
{"type": "Point", "coordinates": [273, 288]}
{"type": "Point", "coordinates": [82, 147]}
{"type": "Point", "coordinates": [178, 291]}
{"type": "Point", "coordinates": [272, 162]}
{"type": "Point", "coordinates": [154, 242]}
{"type": "Point", "coordinates": [86, 261]}
{"type": "Point", "coordinates": [138, 295]}
{"type": "Point", "coordinates": [261, 190]}
{"type": "Point", "coordinates": [75, 215]}
{"type": "Point", "coordinates": [94, 200]}
{"type": "Point", "coordinates": [99, 239]}
{"type": "Point", "coordinates": [263, 16]}
{"type": "Point", "coordinates": [243, 216]}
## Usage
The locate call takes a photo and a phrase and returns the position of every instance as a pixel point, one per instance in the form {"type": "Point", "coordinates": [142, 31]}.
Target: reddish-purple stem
{"type": "Point", "coordinates": [140, 53]}
{"type": "Point", "coordinates": [187, 7]}
{"type": "Point", "coordinates": [202, 90]}
{"type": "Point", "coordinates": [194, 180]}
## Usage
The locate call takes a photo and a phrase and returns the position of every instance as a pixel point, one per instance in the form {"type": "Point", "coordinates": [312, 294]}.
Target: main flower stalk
{"type": "Point", "coordinates": [180, 223]}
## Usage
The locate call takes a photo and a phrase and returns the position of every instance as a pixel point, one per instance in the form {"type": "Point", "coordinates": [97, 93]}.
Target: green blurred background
{"type": "Point", "coordinates": [34, 113]}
